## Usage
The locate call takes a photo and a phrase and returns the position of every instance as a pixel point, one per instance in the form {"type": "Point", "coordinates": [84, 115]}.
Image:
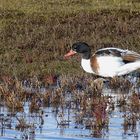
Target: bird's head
{"type": "Point", "coordinates": [79, 47]}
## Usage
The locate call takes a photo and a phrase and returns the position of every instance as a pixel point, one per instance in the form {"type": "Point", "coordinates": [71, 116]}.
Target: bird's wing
{"type": "Point", "coordinates": [126, 55]}
{"type": "Point", "coordinates": [109, 52]}
{"type": "Point", "coordinates": [130, 56]}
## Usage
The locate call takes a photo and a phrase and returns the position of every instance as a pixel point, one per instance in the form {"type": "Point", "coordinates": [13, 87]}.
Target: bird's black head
{"type": "Point", "coordinates": [83, 48]}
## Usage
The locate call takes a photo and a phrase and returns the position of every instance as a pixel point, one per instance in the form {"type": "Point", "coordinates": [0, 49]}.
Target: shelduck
{"type": "Point", "coordinates": [106, 62]}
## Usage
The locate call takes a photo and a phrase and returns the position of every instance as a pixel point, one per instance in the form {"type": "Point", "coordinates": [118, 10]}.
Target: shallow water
{"type": "Point", "coordinates": [59, 124]}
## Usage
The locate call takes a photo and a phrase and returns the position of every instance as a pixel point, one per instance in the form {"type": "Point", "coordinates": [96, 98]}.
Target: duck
{"type": "Point", "coordinates": [106, 62]}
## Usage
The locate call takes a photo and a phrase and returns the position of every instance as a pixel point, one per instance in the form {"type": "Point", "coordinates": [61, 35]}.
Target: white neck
{"type": "Point", "coordinates": [85, 63]}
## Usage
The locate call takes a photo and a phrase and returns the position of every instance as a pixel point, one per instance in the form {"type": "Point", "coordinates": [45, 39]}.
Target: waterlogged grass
{"type": "Point", "coordinates": [78, 104]}
{"type": "Point", "coordinates": [34, 35]}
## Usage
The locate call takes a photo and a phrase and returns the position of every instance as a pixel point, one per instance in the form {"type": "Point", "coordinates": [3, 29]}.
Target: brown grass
{"type": "Point", "coordinates": [33, 45]}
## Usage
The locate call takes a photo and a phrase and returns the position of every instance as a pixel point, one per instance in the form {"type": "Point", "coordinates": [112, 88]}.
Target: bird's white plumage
{"type": "Point", "coordinates": [127, 68]}
{"type": "Point", "coordinates": [121, 50]}
{"type": "Point", "coordinates": [86, 65]}
{"type": "Point", "coordinates": [108, 65]}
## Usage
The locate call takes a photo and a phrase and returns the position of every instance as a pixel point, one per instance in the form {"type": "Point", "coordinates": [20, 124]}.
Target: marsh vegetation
{"type": "Point", "coordinates": [35, 35]}
{"type": "Point", "coordinates": [79, 103]}
{"type": "Point", "coordinates": [41, 93]}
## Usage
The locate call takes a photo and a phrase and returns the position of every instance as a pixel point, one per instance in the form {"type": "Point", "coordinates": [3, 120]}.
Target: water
{"type": "Point", "coordinates": [59, 122]}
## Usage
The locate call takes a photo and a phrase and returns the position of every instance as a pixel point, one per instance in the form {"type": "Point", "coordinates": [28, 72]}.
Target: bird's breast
{"type": "Point", "coordinates": [86, 65]}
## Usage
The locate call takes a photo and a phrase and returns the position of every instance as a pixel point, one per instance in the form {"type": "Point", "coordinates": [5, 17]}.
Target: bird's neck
{"type": "Point", "coordinates": [86, 55]}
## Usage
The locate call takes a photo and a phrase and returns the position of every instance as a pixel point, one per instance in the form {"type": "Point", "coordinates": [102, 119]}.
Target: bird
{"type": "Point", "coordinates": [106, 62]}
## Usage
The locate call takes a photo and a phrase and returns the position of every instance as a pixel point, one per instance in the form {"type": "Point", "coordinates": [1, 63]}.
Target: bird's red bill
{"type": "Point", "coordinates": [70, 53]}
